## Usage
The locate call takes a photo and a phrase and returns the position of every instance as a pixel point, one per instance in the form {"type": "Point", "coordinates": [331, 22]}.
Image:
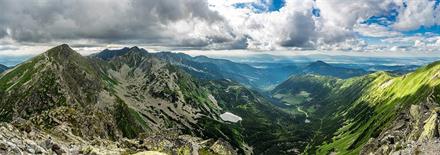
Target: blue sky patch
{"type": "Point", "coordinates": [276, 5]}
{"type": "Point", "coordinates": [424, 30]}
{"type": "Point", "coordinates": [316, 12]}
{"type": "Point", "coordinates": [385, 19]}
{"type": "Point", "coordinates": [262, 6]}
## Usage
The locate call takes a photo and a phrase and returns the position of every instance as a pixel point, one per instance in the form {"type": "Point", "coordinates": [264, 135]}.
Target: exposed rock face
{"type": "Point", "coordinates": [415, 131]}
{"type": "Point", "coordinates": [222, 147]}
{"type": "Point", "coordinates": [423, 148]}
{"type": "Point", "coordinates": [158, 91]}
{"type": "Point", "coordinates": [15, 140]}
{"type": "Point", "coordinates": [150, 153]}
{"type": "Point", "coordinates": [100, 103]}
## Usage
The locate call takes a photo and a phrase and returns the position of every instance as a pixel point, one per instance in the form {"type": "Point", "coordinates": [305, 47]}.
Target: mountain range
{"type": "Point", "coordinates": [250, 76]}
{"type": "Point", "coordinates": [132, 101]}
{"type": "Point", "coordinates": [3, 68]}
{"type": "Point", "coordinates": [130, 96]}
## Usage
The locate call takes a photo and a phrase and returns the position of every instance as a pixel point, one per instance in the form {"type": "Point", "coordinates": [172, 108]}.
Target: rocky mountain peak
{"type": "Point", "coordinates": [62, 51]}
{"type": "Point", "coordinates": [137, 50]}
{"type": "Point", "coordinates": [109, 54]}
{"type": "Point", "coordinates": [64, 55]}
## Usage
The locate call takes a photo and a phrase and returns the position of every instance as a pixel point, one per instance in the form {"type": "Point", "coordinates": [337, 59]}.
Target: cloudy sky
{"type": "Point", "coordinates": [383, 27]}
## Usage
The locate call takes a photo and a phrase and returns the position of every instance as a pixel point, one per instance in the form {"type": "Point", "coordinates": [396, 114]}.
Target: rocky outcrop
{"type": "Point", "coordinates": [16, 139]}
{"type": "Point", "coordinates": [222, 147]}
{"type": "Point", "coordinates": [415, 131]}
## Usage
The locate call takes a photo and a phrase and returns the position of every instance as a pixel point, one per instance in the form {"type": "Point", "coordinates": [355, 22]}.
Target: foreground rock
{"type": "Point", "coordinates": [17, 140]}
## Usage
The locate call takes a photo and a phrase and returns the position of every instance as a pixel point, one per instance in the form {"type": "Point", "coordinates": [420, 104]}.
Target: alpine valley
{"type": "Point", "coordinates": [131, 101]}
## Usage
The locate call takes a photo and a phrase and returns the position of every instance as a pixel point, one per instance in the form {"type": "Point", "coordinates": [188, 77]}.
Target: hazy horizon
{"type": "Point", "coordinates": [243, 56]}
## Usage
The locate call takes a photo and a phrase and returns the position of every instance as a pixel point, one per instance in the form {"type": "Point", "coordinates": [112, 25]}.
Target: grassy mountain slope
{"type": "Point", "coordinates": [48, 81]}
{"type": "Point", "coordinates": [133, 95]}
{"type": "Point", "coordinates": [378, 113]}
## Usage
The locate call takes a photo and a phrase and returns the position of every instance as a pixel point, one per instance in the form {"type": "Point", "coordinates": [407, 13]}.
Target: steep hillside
{"type": "Point", "coordinates": [378, 113]}
{"type": "Point", "coordinates": [132, 95]}
{"type": "Point", "coordinates": [56, 78]}
{"type": "Point", "coordinates": [393, 111]}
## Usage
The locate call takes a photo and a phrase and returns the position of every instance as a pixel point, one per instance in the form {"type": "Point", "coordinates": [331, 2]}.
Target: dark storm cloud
{"type": "Point", "coordinates": [172, 10]}
{"type": "Point", "coordinates": [299, 33]}
{"type": "Point", "coordinates": [193, 23]}
{"type": "Point", "coordinates": [3, 33]}
{"type": "Point", "coordinates": [103, 20]}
